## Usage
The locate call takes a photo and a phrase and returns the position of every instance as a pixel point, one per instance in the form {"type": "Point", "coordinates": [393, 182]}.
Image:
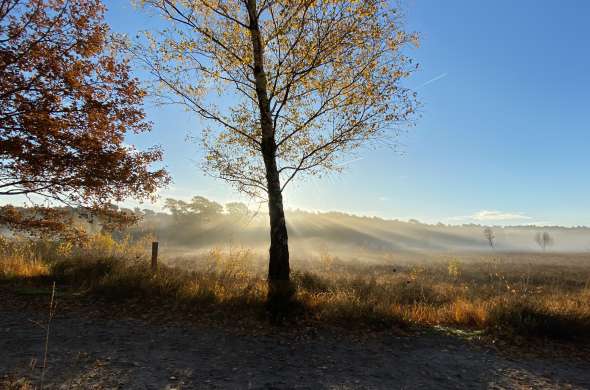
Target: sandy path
{"type": "Point", "coordinates": [130, 354]}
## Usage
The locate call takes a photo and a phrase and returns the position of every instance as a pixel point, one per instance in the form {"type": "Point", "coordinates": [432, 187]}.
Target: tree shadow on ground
{"type": "Point", "coordinates": [110, 353]}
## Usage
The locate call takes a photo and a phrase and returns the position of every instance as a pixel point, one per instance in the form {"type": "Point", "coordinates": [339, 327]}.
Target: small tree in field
{"type": "Point", "coordinates": [66, 103]}
{"type": "Point", "coordinates": [544, 240]}
{"type": "Point", "coordinates": [489, 235]}
{"type": "Point", "coordinates": [301, 83]}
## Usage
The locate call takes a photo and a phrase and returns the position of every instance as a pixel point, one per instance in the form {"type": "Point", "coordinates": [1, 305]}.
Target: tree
{"type": "Point", "coordinates": [237, 209]}
{"type": "Point", "coordinates": [66, 103]}
{"type": "Point", "coordinates": [204, 207]}
{"type": "Point", "coordinates": [544, 240]}
{"type": "Point", "coordinates": [197, 207]}
{"type": "Point", "coordinates": [489, 235]}
{"type": "Point", "coordinates": [303, 82]}
{"type": "Point", "coordinates": [148, 213]}
{"type": "Point", "coordinates": [178, 208]}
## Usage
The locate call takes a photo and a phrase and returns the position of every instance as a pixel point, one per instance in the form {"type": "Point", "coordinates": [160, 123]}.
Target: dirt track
{"type": "Point", "coordinates": [130, 354]}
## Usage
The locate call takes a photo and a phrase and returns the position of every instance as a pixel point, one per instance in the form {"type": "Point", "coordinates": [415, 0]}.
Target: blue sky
{"type": "Point", "coordinates": [503, 136]}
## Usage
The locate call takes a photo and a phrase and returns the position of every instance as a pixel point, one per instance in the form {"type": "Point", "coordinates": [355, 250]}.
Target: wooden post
{"type": "Point", "coordinates": [154, 256]}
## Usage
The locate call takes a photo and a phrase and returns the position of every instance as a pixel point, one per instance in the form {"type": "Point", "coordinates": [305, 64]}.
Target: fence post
{"type": "Point", "coordinates": [154, 256]}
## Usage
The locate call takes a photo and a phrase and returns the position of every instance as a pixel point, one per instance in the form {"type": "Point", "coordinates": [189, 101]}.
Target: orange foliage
{"type": "Point", "coordinates": [66, 103]}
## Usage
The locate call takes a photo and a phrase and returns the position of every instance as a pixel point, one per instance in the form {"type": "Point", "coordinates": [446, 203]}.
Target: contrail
{"type": "Point", "coordinates": [350, 162]}
{"type": "Point", "coordinates": [441, 76]}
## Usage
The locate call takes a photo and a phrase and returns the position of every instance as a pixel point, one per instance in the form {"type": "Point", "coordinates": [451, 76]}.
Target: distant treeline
{"type": "Point", "coordinates": [201, 223]}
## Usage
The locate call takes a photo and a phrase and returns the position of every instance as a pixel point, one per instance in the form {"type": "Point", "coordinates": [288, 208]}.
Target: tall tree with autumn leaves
{"type": "Point", "coordinates": [299, 84]}
{"type": "Point", "coordinates": [67, 100]}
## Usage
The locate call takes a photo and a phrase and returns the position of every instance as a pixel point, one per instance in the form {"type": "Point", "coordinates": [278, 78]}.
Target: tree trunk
{"type": "Point", "coordinates": [278, 268]}
{"type": "Point", "coordinates": [280, 290]}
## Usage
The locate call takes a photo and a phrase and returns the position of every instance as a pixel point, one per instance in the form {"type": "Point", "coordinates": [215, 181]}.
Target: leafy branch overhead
{"type": "Point", "coordinates": [333, 74]}
{"type": "Point", "coordinates": [67, 101]}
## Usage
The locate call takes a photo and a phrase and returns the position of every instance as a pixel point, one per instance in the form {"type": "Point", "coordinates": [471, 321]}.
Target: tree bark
{"type": "Point", "coordinates": [278, 267]}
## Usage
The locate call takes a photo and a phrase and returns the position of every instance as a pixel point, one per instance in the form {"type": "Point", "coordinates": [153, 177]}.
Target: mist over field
{"type": "Point", "coordinates": [210, 225]}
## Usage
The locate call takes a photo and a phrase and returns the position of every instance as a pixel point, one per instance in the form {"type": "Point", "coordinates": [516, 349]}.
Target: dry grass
{"type": "Point", "coordinates": [16, 384]}
{"type": "Point", "coordinates": [493, 293]}
{"type": "Point", "coordinates": [20, 259]}
{"type": "Point", "coordinates": [551, 301]}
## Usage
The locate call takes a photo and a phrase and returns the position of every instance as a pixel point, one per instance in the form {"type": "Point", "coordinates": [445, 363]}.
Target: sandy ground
{"type": "Point", "coordinates": [95, 353]}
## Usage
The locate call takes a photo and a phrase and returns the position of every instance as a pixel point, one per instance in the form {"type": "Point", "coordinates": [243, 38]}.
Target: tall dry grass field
{"type": "Point", "coordinates": [530, 294]}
